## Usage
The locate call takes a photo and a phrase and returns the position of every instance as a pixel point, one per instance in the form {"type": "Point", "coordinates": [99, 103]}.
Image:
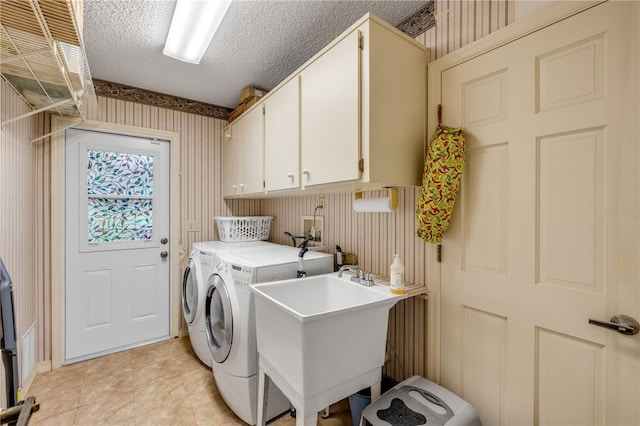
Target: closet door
{"type": "Point", "coordinates": [545, 234]}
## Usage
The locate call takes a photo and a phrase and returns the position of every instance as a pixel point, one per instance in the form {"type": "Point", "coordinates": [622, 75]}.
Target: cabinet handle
{"type": "Point", "coordinates": [242, 187]}
{"type": "Point", "coordinates": [305, 172]}
{"type": "Point", "coordinates": [290, 175]}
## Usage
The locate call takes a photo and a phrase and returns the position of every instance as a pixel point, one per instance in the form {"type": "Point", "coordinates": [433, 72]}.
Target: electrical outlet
{"type": "Point", "coordinates": [193, 226]}
{"type": "Point", "coordinates": [308, 227]}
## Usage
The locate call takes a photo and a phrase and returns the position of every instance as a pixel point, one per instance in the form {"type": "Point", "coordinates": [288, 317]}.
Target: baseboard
{"type": "Point", "coordinates": [41, 367]}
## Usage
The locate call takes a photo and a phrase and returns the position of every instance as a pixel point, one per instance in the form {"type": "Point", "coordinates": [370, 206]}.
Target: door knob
{"type": "Point", "coordinates": [164, 254]}
{"type": "Point", "coordinates": [621, 323]}
{"type": "Point", "coordinates": [164, 241]}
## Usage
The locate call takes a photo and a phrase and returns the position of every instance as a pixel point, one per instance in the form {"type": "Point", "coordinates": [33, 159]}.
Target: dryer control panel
{"type": "Point", "coordinates": [242, 275]}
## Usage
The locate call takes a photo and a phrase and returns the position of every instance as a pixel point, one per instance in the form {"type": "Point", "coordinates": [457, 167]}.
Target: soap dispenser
{"type": "Point", "coordinates": [397, 271]}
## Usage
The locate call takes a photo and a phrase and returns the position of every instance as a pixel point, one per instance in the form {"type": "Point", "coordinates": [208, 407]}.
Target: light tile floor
{"type": "Point", "coordinates": [159, 384]}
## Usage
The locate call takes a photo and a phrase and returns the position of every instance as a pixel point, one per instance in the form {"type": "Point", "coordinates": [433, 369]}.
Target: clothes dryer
{"type": "Point", "coordinates": [194, 279]}
{"type": "Point", "coordinates": [230, 322]}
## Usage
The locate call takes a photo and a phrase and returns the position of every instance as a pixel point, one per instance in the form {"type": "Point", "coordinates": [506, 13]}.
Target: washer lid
{"type": "Point", "coordinates": [268, 256]}
{"type": "Point", "coordinates": [218, 319]}
{"type": "Point", "coordinates": [216, 246]}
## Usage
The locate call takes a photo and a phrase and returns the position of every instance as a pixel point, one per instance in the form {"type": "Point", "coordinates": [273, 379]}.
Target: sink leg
{"type": "Point", "coordinates": [375, 391]}
{"type": "Point", "coordinates": [263, 391]}
{"type": "Point", "coordinates": [304, 418]}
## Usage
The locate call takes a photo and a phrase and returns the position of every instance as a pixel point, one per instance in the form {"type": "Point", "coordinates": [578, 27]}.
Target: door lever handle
{"type": "Point", "coordinates": [623, 324]}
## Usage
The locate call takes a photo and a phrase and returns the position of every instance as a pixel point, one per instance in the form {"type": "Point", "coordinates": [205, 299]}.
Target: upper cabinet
{"type": "Point", "coordinates": [330, 115]}
{"type": "Point", "coordinates": [282, 137]}
{"type": "Point", "coordinates": [242, 156]}
{"type": "Point", "coordinates": [393, 107]}
{"type": "Point", "coordinates": [353, 117]}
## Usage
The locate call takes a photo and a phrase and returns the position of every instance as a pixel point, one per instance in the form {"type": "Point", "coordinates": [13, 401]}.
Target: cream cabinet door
{"type": "Point", "coordinates": [282, 137]}
{"type": "Point", "coordinates": [242, 156]}
{"type": "Point", "coordinates": [251, 152]}
{"type": "Point", "coordinates": [330, 115]}
{"type": "Point", "coordinates": [231, 161]}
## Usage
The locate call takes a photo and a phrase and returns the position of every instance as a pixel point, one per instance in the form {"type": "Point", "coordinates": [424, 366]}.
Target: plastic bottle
{"type": "Point", "coordinates": [397, 271]}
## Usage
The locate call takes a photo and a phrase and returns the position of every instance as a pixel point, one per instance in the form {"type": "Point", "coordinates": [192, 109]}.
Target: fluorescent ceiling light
{"type": "Point", "coordinates": [193, 25]}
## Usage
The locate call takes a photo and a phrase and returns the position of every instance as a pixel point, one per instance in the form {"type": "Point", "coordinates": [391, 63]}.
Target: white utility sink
{"type": "Point", "coordinates": [321, 338]}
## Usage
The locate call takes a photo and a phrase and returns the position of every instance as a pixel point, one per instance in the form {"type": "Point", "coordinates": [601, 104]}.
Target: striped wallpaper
{"type": "Point", "coordinates": [19, 210]}
{"type": "Point", "coordinates": [374, 237]}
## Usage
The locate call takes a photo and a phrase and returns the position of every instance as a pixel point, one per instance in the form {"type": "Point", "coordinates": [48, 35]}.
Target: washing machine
{"type": "Point", "coordinates": [194, 278]}
{"type": "Point", "coordinates": [230, 322]}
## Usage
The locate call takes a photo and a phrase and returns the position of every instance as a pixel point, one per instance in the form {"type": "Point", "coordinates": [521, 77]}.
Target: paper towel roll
{"type": "Point", "coordinates": [382, 204]}
{"type": "Point", "coordinates": [375, 204]}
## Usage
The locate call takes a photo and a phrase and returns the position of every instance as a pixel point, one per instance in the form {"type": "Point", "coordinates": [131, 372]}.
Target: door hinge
{"type": "Point", "coordinates": [361, 42]}
{"type": "Point", "coordinates": [263, 109]}
{"type": "Point", "coordinates": [264, 184]}
{"type": "Point", "coordinates": [439, 253]}
{"type": "Point", "coordinates": [361, 165]}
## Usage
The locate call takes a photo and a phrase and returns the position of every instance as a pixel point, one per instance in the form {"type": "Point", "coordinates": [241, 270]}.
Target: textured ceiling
{"type": "Point", "coordinates": [259, 43]}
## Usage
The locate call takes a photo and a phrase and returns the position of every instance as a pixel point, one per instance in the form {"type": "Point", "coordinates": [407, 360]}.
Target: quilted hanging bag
{"type": "Point", "coordinates": [440, 182]}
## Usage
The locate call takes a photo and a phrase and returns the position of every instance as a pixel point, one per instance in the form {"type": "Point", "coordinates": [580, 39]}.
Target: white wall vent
{"type": "Point", "coordinates": [28, 353]}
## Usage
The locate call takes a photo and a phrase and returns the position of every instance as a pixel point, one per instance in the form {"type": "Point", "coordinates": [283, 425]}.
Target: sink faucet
{"type": "Point", "coordinates": [359, 276]}
{"type": "Point", "coordinates": [304, 242]}
{"type": "Point", "coordinates": [301, 273]}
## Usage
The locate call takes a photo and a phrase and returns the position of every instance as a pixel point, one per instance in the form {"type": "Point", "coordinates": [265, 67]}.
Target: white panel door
{"type": "Point", "coordinates": [546, 231]}
{"type": "Point", "coordinates": [330, 115]}
{"type": "Point", "coordinates": [117, 225]}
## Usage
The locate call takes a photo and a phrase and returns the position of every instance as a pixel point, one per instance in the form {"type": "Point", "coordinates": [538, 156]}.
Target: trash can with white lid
{"type": "Point", "coordinates": [418, 401]}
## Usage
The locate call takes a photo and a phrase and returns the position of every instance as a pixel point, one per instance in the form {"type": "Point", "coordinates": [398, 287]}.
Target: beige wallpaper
{"type": "Point", "coordinates": [18, 201]}
{"type": "Point", "coordinates": [25, 189]}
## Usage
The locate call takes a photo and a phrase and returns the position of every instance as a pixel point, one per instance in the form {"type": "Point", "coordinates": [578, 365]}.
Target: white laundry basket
{"type": "Point", "coordinates": [243, 228]}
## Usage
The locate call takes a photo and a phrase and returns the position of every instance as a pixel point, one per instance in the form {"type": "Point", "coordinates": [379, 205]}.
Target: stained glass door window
{"type": "Point", "coordinates": [119, 197]}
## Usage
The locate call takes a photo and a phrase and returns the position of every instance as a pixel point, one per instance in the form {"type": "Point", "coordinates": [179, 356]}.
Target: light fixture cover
{"type": "Point", "coordinates": [193, 25]}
